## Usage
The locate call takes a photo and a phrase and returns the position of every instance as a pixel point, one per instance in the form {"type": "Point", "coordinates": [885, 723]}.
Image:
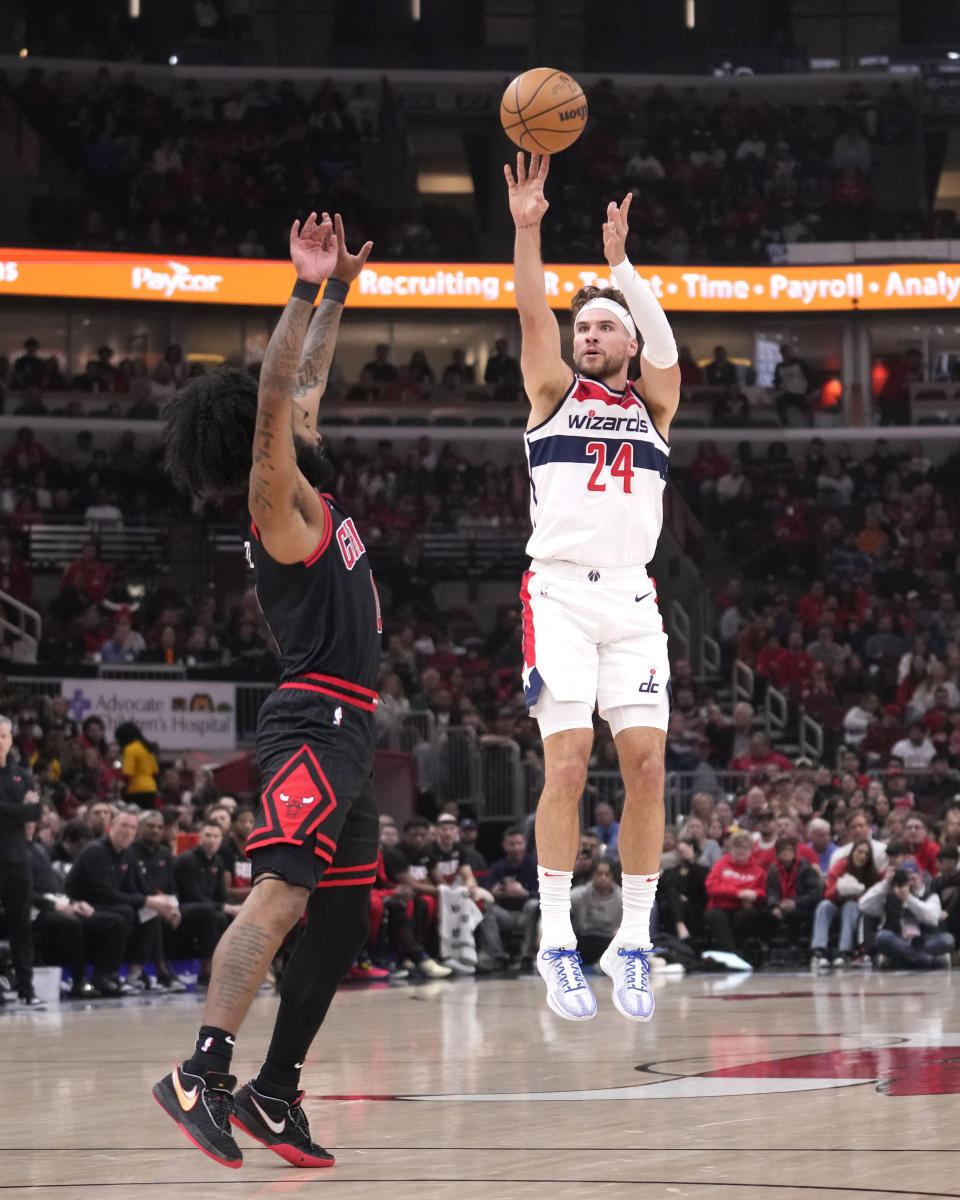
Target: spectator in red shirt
{"type": "Point", "coordinates": [898, 793]}
{"type": "Point", "coordinates": [768, 660]}
{"type": "Point", "coordinates": [25, 456]}
{"type": "Point", "coordinates": [707, 466]}
{"type": "Point", "coordinates": [848, 878]}
{"type": "Point", "coordinates": [794, 666]}
{"type": "Point", "coordinates": [882, 735]}
{"type": "Point", "coordinates": [785, 827]}
{"type": "Point", "coordinates": [810, 606]}
{"type": "Point", "coordinates": [894, 395]}
{"type": "Point", "coordinates": [935, 719]}
{"type": "Point", "coordinates": [753, 639]}
{"type": "Point", "coordinates": [920, 847]}
{"type": "Point", "coordinates": [850, 764]}
{"type": "Point", "coordinates": [90, 634]}
{"type": "Point", "coordinates": [736, 897]}
{"type": "Point", "coordinates": [749, 808]}
{"type": "Point", "coordinates": [88, 574]}
{"type": "Point", "coordinates": [25, 513]}
{"type": "Point", "coordinates": [759, 756]}
{"type": "Point", "coordinates": [444, 659]}
{"type": "Point", "coordinates": [794, 888]}
{"type": "Point", "coordinates": [690, 373]}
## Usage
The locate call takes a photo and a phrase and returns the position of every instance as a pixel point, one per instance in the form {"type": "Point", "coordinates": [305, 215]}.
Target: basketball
{"type": "Point", "coordinates": [543, 110]}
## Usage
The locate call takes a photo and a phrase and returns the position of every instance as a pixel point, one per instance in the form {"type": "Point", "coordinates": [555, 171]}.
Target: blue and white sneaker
{"type": "Point", "coordinates": [568, 993]}
{"type": "Point", "coordinates": [630, 972]}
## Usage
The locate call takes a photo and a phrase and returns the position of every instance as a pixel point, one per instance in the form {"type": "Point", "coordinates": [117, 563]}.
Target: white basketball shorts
{"type": "Point", "coordinates": [595, 635]}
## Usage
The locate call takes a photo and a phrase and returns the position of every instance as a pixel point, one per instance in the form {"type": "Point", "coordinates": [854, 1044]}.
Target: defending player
{"type": "Point", "coordinates": [597, 452]}
{"type": "Point", "coordinates": [314, 844]}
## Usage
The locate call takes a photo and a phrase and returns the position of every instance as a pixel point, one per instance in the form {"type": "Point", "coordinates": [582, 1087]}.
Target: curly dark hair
{"type": "Point", "coordinates": [208, 434]}
{"type": "Point", "coordinates": [586, 294]}
{"type": "Point", "coordinates": [127, 732]}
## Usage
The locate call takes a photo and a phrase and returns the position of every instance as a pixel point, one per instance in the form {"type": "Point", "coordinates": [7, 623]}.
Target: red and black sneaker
{"type": "Point", "coordinates": [279, 1126]}
{"type": "Point", "coordinates": [202, 1107]}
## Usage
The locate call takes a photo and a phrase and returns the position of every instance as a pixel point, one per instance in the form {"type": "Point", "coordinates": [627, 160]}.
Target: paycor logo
{"type": "Point", "coordinates": [178, 279]}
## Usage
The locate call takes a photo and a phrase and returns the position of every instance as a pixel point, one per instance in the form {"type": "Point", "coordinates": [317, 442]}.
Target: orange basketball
{"type": "Point", "coordinates": [543, 110]}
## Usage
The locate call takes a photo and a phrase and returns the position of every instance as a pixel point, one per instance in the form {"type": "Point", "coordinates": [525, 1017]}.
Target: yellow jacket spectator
{"type": "Point", "coordinates": [139, 765]}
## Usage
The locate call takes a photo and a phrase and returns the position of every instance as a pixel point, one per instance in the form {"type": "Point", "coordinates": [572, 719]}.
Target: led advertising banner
{"type": "Point", "coordinates": [392, 286]}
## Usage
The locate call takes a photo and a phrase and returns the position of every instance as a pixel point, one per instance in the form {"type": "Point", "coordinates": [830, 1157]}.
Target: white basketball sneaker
{"type": "Point", "coordinates": [568, 993]}
{"type": "Point", "coordinates": [630, 972]}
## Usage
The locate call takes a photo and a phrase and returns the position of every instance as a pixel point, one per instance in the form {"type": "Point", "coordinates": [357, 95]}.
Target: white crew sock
{"type": "Point", "coordinates": [556, 930]}
{"type": "Point", "coordinates": [638, 895]}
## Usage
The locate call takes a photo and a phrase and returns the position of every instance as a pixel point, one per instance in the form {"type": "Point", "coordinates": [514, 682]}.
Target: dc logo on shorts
{"type": "Point", "coordinates": [649, 686]}
{"type": "Point", "coordinates": [593, 576]}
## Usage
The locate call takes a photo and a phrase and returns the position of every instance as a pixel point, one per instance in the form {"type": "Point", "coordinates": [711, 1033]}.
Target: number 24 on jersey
{"type": "Point", "coordinates": [620, 468]}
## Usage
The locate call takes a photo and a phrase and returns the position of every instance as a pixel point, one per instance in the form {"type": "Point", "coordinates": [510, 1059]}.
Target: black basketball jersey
{"type": "Point", "coordinates": [324, 611]}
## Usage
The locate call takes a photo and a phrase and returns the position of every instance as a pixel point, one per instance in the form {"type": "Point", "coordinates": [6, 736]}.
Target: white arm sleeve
{"type": "Point", "coordinates": [659, 346]}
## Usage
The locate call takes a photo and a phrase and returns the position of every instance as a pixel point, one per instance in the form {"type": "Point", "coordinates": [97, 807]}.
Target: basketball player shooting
{"type": "Point", "coordinates": [597, 452]}
{"type": "Point", "coordinates": [314, 843]}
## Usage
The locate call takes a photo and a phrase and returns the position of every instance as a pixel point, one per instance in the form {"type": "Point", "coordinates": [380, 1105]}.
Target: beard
{"type": "Point", "coordinates": [314, 463]}
{"type": "Point", "coordinates": [601, 367]}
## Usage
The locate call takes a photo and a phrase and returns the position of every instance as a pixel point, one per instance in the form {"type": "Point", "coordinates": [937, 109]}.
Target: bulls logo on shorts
{"type": "Point", "coordinates": [295, 802]}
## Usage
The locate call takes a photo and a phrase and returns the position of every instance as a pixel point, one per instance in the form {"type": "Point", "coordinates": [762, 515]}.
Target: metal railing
{"type": "Point", "coordinates": [406, 731]}
{"type": "Point", "coordinates": [250, 696]}
{"type": "Point", "coordinates": [501, 796]}
{"type": "Point", "coordinates": [54, 547]}
{"type": "Point", "coordinates": [776, 710]}
{"type": "Point", "coordinates": [147, 671]}
{"type": "Point", "coordinates": [810, 736]}
{"type": "Point", "coordinates": [711, 657]}
{"type": "Point", "coordinates": [456, 764]}
{"type": "Point", "coordinates": [744, 682]}
{"type": "Point", "coordinates": [25, 626]}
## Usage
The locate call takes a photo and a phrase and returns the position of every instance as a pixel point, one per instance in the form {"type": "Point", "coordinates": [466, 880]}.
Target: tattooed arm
{"type": "Point", "coordinates": [314, 368]}
{"type": "Point", "coordinates": [318, 350]}
{"type": "Point", "coordinates": [288, 513]}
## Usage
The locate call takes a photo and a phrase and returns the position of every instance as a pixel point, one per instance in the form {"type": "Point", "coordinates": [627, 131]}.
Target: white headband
{"type": "Point", "coordinates": [611, 306]}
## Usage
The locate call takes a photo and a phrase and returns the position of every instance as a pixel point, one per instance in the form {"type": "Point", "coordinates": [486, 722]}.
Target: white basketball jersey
{"type": "Point", "coordinates": [597, 471]}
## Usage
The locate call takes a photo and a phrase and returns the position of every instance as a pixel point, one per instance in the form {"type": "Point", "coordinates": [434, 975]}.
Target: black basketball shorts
{"type": "Point", "coordinates": [317, 822]}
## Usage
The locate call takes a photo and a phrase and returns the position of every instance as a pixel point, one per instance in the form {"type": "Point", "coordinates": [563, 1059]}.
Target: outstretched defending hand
{"type": "Point", "coordinates": [313, 248]}
{"type": "Point", "coordinates": [615, 230]}
{"type": "Point", "coordinates": [527, 201]}
{"type": "Point", "coordinates": [348, 265]}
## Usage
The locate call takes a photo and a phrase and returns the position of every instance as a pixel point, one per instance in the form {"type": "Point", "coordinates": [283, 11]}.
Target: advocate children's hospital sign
{"type": "Point", "coordinates": [102, 276]}
{"type": "Point", "coordinates": [180, 715]}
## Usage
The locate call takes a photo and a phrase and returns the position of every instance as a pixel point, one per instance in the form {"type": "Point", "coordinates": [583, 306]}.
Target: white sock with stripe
{"type": "Point", "coordinates": [639, 892]}
{"type": "Point", "coordinates": [556, 930]}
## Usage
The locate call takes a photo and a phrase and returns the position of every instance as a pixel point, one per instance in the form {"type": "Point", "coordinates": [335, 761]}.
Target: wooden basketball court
{"type": "Point", "coordinates": [768, 1086]}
